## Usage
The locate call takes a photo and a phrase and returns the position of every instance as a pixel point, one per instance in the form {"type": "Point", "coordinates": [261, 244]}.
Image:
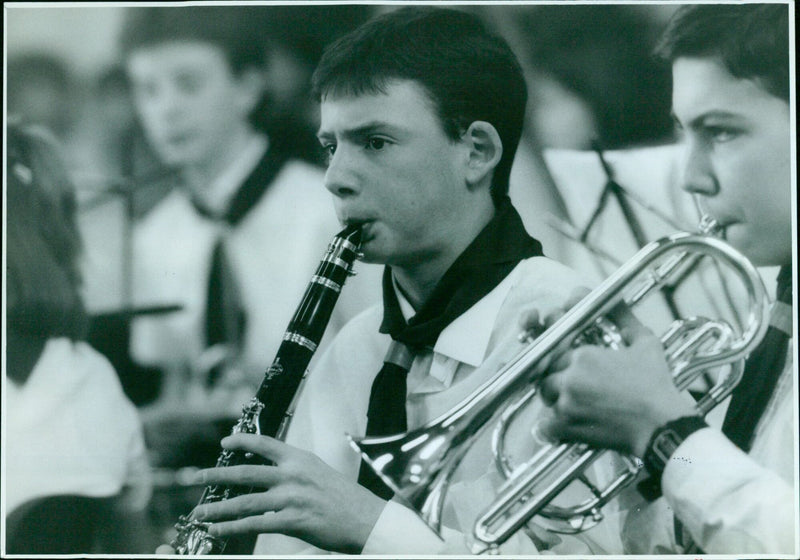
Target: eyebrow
{"type": "Point", "coordinates": [700, 120]}
{"type": "Point", "coordinates": [361, 131]}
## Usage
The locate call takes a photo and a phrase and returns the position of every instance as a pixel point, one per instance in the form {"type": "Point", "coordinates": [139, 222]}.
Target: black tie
{"type": "Point", "coordinates": [386, 414]}
{"type": "Point", "coordinates": [761, 373]}
{"type": "Point", "coordinates": [225, 318]}
{"type": "Point", "coordinates": [492, 255]}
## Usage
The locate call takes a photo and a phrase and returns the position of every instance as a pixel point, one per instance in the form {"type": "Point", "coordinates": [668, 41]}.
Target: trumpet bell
{"type": "Point", "coordinates": [414, 466]}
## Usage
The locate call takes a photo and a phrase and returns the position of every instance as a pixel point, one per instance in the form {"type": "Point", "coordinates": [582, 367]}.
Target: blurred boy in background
{"type": "Point", "coordinates": [235, 243]}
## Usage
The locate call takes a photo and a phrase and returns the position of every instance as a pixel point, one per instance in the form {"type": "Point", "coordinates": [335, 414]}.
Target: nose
{"type": "Point", "coordinates": [698, 175]}
{"type": "Point", "coordinates": [170, 104]}
{"type": "Point", "coordinates": [158, 102]}
{"type": "Point", "coordinates": [340, 177]}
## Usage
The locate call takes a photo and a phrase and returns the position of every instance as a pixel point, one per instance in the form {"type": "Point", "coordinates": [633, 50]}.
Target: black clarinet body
{"type": "Point", "coordinates": [270, 410]}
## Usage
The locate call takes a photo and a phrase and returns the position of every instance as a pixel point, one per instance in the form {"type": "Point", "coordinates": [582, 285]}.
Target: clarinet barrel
{"type": "Point", "coordinates": [269, 411]}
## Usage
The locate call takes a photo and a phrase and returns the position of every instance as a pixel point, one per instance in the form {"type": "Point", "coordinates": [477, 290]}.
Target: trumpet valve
{"type": "Point", "coordinates": [527, 336]}
{"type": "Point", "coordinates": [602, 332]}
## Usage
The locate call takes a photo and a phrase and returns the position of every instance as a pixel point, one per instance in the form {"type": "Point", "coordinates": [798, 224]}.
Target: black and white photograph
{"type": "Point", "coordinates": [400, 279]}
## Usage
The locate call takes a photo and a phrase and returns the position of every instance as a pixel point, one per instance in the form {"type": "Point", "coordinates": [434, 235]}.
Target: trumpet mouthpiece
{"type": "Point", "coordinates": [709, 226]}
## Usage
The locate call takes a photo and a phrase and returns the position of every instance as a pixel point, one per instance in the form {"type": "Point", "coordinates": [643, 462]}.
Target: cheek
{"type": "Point", "coordinates": [147, 111]}
{"type": "Point", "coordinates": [215, 114]}
{"type": "Point", "coordinates": [755, 176]}
{"type": "Point", "coordinates": [211, 101]}
{"type": "Point", "coordinates": [764, 203]}
{"type": "Point", "coordinates": [440, 173]}
{"type": "Point", "coordinates": [405, 200]}
{"type": "Point", "coordinates": [148, 120]}
{"type": "Point", "coordinates": [765, 189]}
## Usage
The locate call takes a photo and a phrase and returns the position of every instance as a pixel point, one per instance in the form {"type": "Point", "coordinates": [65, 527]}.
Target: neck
{"type": "Point", "coordinates": [418, 280]}
{"type": "Point", "coordinates": [200, 175]}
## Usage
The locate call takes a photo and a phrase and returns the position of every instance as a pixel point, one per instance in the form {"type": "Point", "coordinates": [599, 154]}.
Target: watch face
{"type": "Point", "coordinates": [665, 445]}
{"type": "Point", "coordinates": [667, 440]}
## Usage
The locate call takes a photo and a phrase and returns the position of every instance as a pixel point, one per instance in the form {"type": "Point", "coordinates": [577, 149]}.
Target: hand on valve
{"type": "Point", "coordinates": [609, 398]}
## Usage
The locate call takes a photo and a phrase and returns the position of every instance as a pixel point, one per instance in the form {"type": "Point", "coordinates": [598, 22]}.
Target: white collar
{"type": "Point", "coordinates": [405, 307]}
{"type": "Point", "coordinates": [220, 191]}
{"type": "Point", "coordinates": [466, 339]}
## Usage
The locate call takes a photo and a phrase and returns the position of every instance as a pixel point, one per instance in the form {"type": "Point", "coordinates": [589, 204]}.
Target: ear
{"type": "Point", "coordinates": [251, 88]}
{"type": "Point", "coordinates": [485, 150]}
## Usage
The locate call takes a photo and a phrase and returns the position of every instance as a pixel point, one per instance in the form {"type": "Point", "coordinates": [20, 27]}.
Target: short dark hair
{"type": "Point", "coordinates": [233, 29]}
{"type": "Point", "coordinates": [43, 240]}
{"type": "Point", "coordinates": [751, 40]}
{"type": "Point", "coordinates": [469, 73]}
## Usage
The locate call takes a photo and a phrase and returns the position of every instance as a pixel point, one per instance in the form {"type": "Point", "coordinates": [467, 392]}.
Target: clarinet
{"type": "Point", "coordinates": [270, 410]}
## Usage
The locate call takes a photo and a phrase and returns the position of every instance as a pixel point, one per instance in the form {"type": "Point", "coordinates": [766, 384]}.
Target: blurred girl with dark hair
{"type": "Point", "coordinates": [71, 432]}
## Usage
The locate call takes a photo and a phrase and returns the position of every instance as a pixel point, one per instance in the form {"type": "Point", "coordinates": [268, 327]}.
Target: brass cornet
{"type": "Point", "coordinates": [418, 465]}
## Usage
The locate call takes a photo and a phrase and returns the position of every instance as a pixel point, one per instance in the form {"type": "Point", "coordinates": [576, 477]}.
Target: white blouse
{"type": "Point", "coordinates": [70, 429]}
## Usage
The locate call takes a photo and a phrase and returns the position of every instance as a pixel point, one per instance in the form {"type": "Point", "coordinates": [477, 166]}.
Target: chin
{"type": "Point", "coordinates": [172, 157]}
{"type": "Point", "coordinates": [368, 253]}
{"type": "Point", "coordinates": [373, 257]}
{"type": "Point", "coordinates": [180, 155]}
{"type": "Point", "coordinates": [771, 259]}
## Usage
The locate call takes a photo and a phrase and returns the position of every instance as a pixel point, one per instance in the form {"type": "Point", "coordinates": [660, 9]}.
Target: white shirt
{"type": "Point", "coordinates": [469, 350]}
{"type": "Point", "coordinates": [729, 501]}
{"type": "Point", "coordinates": [273, 252]}
{"type": "Point", "coordinates": [70, 429]}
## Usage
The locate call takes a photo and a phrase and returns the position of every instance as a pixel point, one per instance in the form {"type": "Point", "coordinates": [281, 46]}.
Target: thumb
{"type": "Point", "coordinates": [165, 550]}
{"type": "Point", "coordinates": [630, 328]}
{"type": "Point", "coordinates": [529, 322]}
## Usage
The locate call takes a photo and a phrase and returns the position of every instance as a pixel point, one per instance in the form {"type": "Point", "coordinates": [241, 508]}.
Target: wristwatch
{"type": "Point", "coordinates": [663, 443]}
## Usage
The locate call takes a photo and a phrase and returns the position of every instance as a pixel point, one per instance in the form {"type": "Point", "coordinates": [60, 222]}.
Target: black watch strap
{"type": "Point", "coordinates": [663, 443]}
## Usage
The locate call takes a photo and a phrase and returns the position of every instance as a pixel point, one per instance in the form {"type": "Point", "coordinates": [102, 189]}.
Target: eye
{"type": "Point", "coordinates": [190, 82]}
{"type": "Point", "coordinates": [720, 135]}
{"type": "Point", "coordinates": [327, 152]}
{"type": "Point", "coordinates": [376, 144]}
{"type": "Point", "coordinates": [678, 129]}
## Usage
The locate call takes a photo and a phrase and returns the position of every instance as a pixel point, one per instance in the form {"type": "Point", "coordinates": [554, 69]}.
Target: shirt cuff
{"type": "Point", "coordinates": [726, 500]}
{"type": "Point", "coordinates": [704, 453]}
{"type": "Point", "coordinates": [401, 531]}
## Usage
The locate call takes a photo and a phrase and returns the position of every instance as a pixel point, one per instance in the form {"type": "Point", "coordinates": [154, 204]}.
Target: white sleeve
{"type": "Point", "coordinates": [727, 501]}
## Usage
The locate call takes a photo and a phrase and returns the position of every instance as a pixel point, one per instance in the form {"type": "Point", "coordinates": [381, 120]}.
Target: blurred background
{"type": "Point", "coordinates": [594, 178]}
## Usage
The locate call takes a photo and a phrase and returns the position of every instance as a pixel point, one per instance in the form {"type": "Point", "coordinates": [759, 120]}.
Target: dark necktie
{"type": "Point", "coordinates": [225, 318]}
{"type": "Point", "coordinates": [762, 370]}
{"type": "Point", "coordinates": [492, 255]}
{"type": "Point", "coordinates": [386, 413]}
